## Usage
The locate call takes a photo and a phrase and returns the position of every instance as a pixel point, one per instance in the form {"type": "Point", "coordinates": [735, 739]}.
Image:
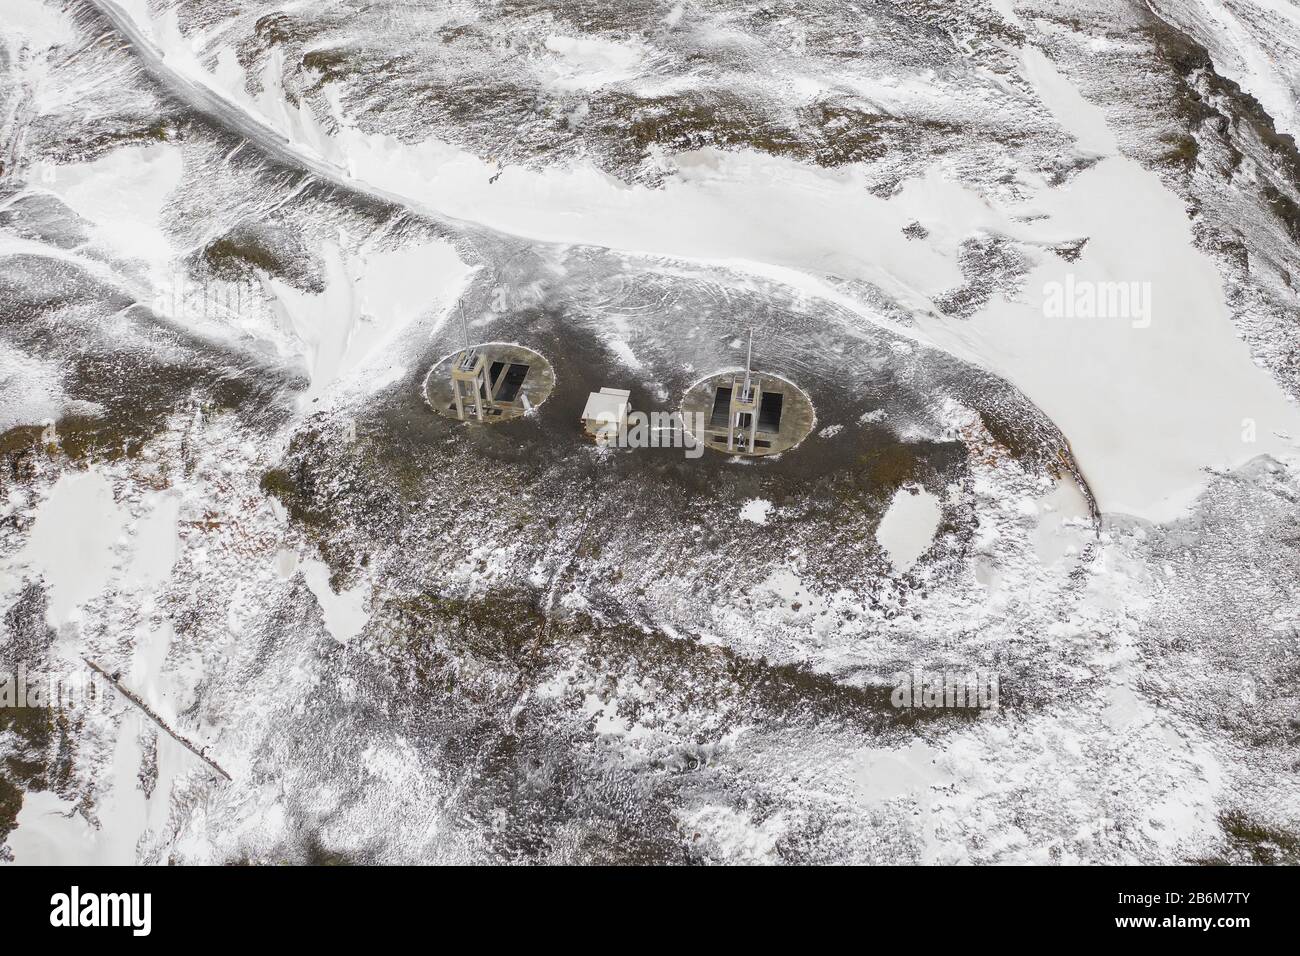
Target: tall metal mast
{"type": "Point", "coordinates": [749, 361]}
{"type": "Point", "coordinates": [467, 358]}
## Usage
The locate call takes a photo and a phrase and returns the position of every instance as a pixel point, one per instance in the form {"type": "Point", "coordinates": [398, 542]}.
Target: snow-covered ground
{"type": "Point", "coordinates": [1254, 42]}
{"type": "Point", "coordinates": [407, 641]}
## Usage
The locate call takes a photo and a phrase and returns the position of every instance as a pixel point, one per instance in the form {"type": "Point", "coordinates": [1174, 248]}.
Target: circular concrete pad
{"type": "Point", "coordinates": [786, 415]}
{"type": "Point", "coordinates": [520, 379]}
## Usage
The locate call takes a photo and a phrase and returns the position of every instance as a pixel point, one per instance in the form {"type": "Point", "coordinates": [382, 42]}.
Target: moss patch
{"type": "Point", "coordinates": [826, 134]}
{"type": "Point", "coordinates": [1182, 152]}
{"type": "Point", "coordinates": [231, 256]}
{"type": "Point", "coordinates": [1259, 842]}
{"type": "Point", "coordinates": [330, 63]}
{"type": "Point", "coordinates": [292, 487]}
{"type": "Point", "coordinates": [11, 802]}
{"type": "Point", "coordinates": [40, 757]}
{"type": "Point", "coordinates": [513, 634]}
{"type": "Point", "coordinates": [888, 465]}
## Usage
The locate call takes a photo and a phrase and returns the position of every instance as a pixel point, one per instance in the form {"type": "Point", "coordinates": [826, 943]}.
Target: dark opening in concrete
{"type": "Point", "coordinates": [769, 411]}
{"type": "Point", "coordinates": [721, 407]}
{"type": "Point", "coordinates": [514, 381]}
{"type": "Point", "coordinates": [785, 413]}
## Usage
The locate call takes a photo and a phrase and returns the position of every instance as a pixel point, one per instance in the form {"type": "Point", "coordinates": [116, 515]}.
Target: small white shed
{"type": "Point", "coordinates": [607, 407]}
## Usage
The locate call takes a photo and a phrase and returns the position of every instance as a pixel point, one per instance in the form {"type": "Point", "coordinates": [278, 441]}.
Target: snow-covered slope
{"type": "Point", "coordinates": [232, 242]}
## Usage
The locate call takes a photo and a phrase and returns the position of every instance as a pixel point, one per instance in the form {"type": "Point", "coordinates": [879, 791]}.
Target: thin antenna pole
{"type": "Point", "coordinates": [749, 361]}
{"type": "Point", "coordinates": [467, 357]}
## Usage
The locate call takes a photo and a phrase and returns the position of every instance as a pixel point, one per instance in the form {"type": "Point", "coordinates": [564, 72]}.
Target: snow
{"type": "Point", "coordinates": [1051, 761]}
{"type": "Point", "coordinates": [908, 526]}
{"type": "Point", "coordinates": [1116, 766]}
{"type": "Point", "coordinates": [733, 835]}
{"type": "Point", "coordinates": [756, 510]}
{"type": "Point", "coordinates": [722, 206]}
{"type": "Point", "coordinates": [54, 832]}
{"type": "Point", "coordinates": [792, 601]}
{"type": "Point", "coordinates": [1255, 42]}
{"type": "Point", "coordinates": [124, 194]}
{"type": "Point", "coordinates": [36, 22]}
{"type": "Point", "coordinates": [1146, 410]}
{"type": "Point", "coordinates": [345, 612]}
{"type": "Point", "coordinates": [588, 63]}
{"type": "Point", "coordinates": [1007, 9]}
{"type": "Point", "coordinates": [368, 301]}
{"type": "Point", "coordinates": [31, 391]}
{"type": "Point", "coordinates": [73, 540]}
{"type": "Point", "coordinates": [1064, 526]}
{"type": "Point", "coordinates": [883, 774]}
{"type": "Point", "coordinates": [156, 544]}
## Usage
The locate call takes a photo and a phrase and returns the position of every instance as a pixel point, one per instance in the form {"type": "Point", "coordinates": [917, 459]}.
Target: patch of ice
{"type": "Point", "coordinates": [1063, 522]}
{"type": "Point", "coordinates": [368, 300]}
{"type": "Point", "coordinates": [756, 510]}
{"type": "Point", "coordinates": [880, 775]}
{"type": "Point", "coordinates": [72, 542]}
{"type": "Point", "coordinates": [908, 526]}
{"type": "Point", "coordinates": [31, 389]}
{"type": "Point", "coordinates": [123, 194]}
{"type": "Point", "coordinates": [345, 613]}
{"type": "Point", "coordinates": [156, 545]}
{"type": "Point", "coordinates": [1146, 408]}
{"type": "Point", "coordinates": [286, 564]}
{"type": "Point", "coordinates": [590, 62]}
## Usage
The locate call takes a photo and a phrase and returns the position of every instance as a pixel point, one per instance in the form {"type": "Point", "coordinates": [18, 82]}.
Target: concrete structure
{"type": "Point", "coordinates": [469, 376]}
{"type": "Point", "coordinates": [489, 382]}
{"type": "Point", "coordinates": [607, 407]}
{"type": "Point", "coordinates": [747, 412]}
{"type": "Point", "coordinates": [742, 417]}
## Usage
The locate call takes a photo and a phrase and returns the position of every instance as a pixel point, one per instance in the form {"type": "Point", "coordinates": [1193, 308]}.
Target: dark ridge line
{"type": "Point", "coordinates": [148, 712]}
